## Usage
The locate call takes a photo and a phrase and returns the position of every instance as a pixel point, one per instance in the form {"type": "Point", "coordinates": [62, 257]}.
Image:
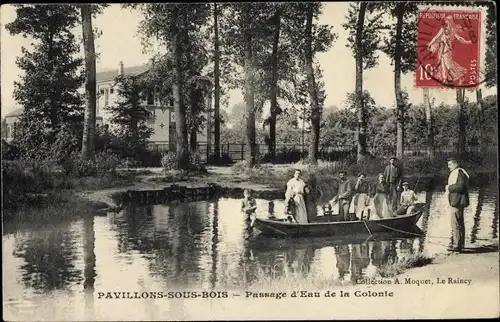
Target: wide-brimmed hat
{"type": "Point", "coordinates": [406, 183]}
{"type": "Point", "coordinates": [393, 158]}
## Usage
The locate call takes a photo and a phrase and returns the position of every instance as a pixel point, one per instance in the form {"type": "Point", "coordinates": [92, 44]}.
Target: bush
{"type": "Point", "coordinates": [104, 163]}
{"type": "Point", "coordinates": [21, 178]}
{"type": "Point", "coordinates": [9, 151]}
{"type": "Point", "coordinates": [169, 162]}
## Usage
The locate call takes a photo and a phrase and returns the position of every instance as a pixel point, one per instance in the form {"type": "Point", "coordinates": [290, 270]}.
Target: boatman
{"type": "Point", "coordinates": [457, 190]}
{"type": "Point", "coordinates": [393, 176]}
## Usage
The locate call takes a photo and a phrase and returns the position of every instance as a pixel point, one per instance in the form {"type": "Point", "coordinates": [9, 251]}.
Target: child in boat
{"type": "Point", "coordinates": [407, 201]}
{"type": "Point", "coordinates": [248, 204]}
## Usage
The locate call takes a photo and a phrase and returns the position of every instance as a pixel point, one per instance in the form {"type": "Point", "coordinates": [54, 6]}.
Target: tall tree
{"type": "Point", "coordinates": [365, 40]}
{"type": "Point", "coordinates": [217, 120]}
{"type": "Point", "coordinates": [172, 25]}
{"type": "Point", "coordinates": [313, 95]}
{"type": "Point", "coordinates": [400, 47]}
{"type": "Point", "coordinates": [461, 122]}
{"type": "Point", "coordinates": [246, 14]}
{"type": "Point", "coordinates": [88, 146]}
{"type": "Point", "coordinates": [274, 82]}
{"type": "Point", "coordinates": [48, 90]}
{"type": "Point", "coordinates": [88, 33]}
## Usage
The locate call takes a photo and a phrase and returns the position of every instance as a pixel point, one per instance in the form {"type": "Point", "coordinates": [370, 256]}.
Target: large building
{"type": "Point", "coordinates": [161, 119]}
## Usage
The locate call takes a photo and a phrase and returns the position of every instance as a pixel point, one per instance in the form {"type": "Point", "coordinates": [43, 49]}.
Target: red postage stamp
{"type": "Point", "coordinates": [448, 48]}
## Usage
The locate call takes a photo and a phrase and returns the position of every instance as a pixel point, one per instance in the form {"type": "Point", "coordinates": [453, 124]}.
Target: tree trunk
{"type": "Point", "coordinates": [461, 122]}
{"type": "Point", "coordinates": [193, 141]}
{"type": "Point", "coordinates": [216, 87]}
{"type": "Point", "coordinates": [431, 149]}
{"type": "Point", "coordinates": [179, 106]}
{"type": "Point", "coordinates": [88, 142]}
{"type": "Point", "coordinates": [482, 133]}
{"type": "Point", "coordinates": [313, 95]}
{"type": "Point", "coordinates": [251, 151]}
{"type": "Point", "coordinates": [359, 83]}
{"type": "Point", "coordinates": [274, 85]}
{"type": "Point", "coordinates": [397, 82]}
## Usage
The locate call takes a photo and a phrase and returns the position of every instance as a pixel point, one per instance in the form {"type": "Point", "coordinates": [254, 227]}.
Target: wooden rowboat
{"type": "Point", "coordinates": [263, 243]}
{"type": "Point", "coordinates": [330, 226]}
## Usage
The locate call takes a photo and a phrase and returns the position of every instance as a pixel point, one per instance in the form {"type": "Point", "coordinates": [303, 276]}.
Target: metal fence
{"type": "Point", "coordinates": [236, 151]}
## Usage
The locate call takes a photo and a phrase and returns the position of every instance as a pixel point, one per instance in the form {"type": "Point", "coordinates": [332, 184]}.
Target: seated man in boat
{"type": "Point", "coordinates": [407, 201]}
{"type": "Point", "coordinates": [248, 205]}
{"type": "Point", "coordinates": [295, 193]}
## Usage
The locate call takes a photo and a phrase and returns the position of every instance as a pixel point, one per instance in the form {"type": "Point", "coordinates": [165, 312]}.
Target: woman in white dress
{"type": "Point", "coordinates": [295, 191]}
{"type": "Point", "coordinates": [379, 200]}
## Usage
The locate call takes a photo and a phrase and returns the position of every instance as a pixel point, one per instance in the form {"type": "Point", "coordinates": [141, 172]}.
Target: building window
{"type": "Point", "coordinates": [101, 91]}
{"type": "Point", "coordinates": [151, 99]}
{"type": "Point", "coordinates": [151, 116]}
{"type": "Point", "coordinates": [106, 97]}
{"type": "Point", "coordinates": [9, 132]}
{"type": "Point", "coordinates": [111, 91]}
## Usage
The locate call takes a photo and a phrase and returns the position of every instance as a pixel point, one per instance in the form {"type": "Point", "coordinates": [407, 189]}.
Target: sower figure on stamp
{"type": "Point", "coordinates": [457, 190]}
{"type": "Point", "coordinates": [393, 176]}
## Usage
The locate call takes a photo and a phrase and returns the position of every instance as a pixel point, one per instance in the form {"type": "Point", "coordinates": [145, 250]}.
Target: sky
{"type": "Point", "coordinates": [120, 42]}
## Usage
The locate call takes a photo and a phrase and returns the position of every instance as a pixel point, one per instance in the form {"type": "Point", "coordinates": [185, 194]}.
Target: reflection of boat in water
{"type": "Point", "coordinates": [262, 242]}
{"type": "Point", "coordinates": [328, 226]}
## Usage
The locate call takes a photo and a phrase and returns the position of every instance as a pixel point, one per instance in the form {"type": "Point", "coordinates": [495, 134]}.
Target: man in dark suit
{"type": "Point", "coordinates": [393, 176]}
{"type": "Point", "coordinates": [458, 197]}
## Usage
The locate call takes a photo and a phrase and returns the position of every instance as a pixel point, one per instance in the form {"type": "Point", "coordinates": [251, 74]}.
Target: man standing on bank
{"type": "Point", "coordinates": [393, 177]}
{"type": "Point", "coordinates": [457, 190]}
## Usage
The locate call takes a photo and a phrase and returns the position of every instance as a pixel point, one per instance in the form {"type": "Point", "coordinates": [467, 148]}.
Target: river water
{"type": "Point", "coordinates": [56, 271]}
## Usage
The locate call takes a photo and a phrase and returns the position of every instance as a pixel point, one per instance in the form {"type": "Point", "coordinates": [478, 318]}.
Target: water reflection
{"type": "Point", "coordinates": [89, 258]}
{"type": "Point", "coordinates": [208, 245]}
{"type": "Point", "coordinates": [49, 257]}
{"type": "Point", "coordinates": [477, 215]}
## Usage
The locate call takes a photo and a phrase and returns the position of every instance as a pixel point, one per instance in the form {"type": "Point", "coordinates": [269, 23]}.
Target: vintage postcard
{"type": "Point", "coordinates": [249, 161]}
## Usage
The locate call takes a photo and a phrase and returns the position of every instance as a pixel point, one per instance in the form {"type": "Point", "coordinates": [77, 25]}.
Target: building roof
{"type": "Point", "coordinates": [110, 74]}
{"type": "Point", "coordinates": [15, 113]}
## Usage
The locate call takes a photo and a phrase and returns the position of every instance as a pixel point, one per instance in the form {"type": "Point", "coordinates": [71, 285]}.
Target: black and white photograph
{"type": "Point", "coordinates": [260, 160]}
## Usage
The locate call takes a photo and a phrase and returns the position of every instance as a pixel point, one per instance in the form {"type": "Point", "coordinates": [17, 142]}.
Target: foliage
{"type": "Point", "coordinates": [407, 50]}
{"type": "Point", "coordinates": [491, 46]}
{"type": "Point", "coordinates": [371, 41]}
{"type": "Point", "coordinates": [338, 130]}
{"type": "Point", "coordinates": [48, 90]}
{"type": "Point", "coordinates": [129, 117]}
{"type": "Point", "coordinates": [104, 164]}
{"type": "Point", "coordinates": [169, 162]}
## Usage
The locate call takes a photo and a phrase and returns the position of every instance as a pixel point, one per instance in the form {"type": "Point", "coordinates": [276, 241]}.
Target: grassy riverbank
{"type": "Point", "coordinates": [27, 189]}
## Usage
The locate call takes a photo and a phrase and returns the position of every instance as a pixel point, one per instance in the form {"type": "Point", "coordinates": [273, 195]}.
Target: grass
{"type": "Point", "coordinates": [391, 270]}
{"type": "Point", "coordinates": [291, 280]}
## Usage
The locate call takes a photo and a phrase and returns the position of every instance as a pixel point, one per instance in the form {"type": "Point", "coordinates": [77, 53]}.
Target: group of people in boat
{"type": "Point", "coordinates": [386, 198]}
